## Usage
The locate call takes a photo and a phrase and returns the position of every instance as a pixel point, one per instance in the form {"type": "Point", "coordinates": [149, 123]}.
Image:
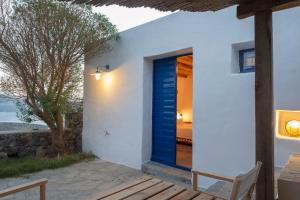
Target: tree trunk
{"type": "Point", "coordinates": [58, 141]}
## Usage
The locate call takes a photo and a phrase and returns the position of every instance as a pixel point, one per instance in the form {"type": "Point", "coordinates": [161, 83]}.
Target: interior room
{"type": "Point", "coordinates": [184, 111]}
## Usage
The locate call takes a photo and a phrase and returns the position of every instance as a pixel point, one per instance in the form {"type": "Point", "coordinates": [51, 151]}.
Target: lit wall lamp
{"type": "Point", "coordinates": [293, 128]}
{"type": "Point", "coordinates": [100, 70]}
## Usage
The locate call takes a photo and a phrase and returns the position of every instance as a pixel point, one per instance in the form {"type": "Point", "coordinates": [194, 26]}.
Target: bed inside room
{"type": "Point", "coordinates": [184, 111]}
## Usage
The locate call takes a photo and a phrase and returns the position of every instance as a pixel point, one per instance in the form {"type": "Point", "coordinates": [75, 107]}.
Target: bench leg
{"type": "Point", "coordinates": [195, 182]}
{"type": "Point", "coordinates": [43, 192]}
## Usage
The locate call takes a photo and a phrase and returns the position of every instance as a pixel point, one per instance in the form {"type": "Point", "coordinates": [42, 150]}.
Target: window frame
{"type": "Point", "coordinates": [241, 61]}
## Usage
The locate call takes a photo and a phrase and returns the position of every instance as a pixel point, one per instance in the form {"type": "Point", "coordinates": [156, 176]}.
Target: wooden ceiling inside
{"type": "Point", "coordinates": [185, 66]}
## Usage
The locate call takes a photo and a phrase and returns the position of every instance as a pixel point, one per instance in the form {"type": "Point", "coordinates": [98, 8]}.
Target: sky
{"type": "Point", "coordinates": [126, 18]}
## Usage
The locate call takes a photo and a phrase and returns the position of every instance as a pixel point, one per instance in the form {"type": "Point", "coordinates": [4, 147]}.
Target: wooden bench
{"type": "Point", "coordinates": [151, 189]}
{"type": "Point", "coordinates": [38, 183]}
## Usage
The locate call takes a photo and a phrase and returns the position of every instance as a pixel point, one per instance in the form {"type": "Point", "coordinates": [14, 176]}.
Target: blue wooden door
{"type": "Point", "coordinates": [164, 111]}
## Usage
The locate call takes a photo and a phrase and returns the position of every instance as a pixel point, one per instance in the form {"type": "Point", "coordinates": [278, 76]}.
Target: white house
{"type": "Point", "coordinates": [207, 60]}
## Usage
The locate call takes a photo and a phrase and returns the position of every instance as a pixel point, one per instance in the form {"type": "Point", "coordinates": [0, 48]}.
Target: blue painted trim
{"type": "Point", "coordinates": [241, 61]}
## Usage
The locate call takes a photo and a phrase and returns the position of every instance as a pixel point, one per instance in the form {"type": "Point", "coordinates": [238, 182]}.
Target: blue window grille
{"type": "Point", "coordinates": [247, 60]}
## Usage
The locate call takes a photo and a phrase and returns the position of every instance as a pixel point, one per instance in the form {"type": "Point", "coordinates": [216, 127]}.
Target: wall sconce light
{"type": "Point", "coordinates": [293, 128]}
{"type": "Point", "coordinates": [100, 70]}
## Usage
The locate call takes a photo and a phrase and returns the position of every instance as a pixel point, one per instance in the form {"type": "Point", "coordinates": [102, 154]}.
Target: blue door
{"type": "Point", "coordinates": [164, 111]}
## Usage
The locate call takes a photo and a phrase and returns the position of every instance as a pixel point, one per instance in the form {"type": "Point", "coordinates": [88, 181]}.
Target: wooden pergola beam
{"type": "Point", "coordinates": [249, 9]}
{"type": "Point", "coordinates": [264, 104]}
{"type": "Point", "coordinates": [264, 111]}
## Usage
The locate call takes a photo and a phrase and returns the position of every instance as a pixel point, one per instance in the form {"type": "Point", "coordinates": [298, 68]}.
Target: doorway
{"type": "Point", "coordinates": [184, 111]}
{"type": "Point", "coordinates": [172, 111]}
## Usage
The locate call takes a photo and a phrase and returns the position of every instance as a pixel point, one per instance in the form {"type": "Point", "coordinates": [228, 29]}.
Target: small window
{"type": "Point", "coordinates": [247, 60]}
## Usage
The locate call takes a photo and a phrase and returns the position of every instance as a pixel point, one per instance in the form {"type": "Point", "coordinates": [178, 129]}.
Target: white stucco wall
{"type": "Point", "coordinates": [286, 74]}
{"type": "Point", "coordinates": [223, 100]}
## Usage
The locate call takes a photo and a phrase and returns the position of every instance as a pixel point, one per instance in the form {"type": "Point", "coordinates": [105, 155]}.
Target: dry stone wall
{"type": "Point", "coordinates": [23, 143]}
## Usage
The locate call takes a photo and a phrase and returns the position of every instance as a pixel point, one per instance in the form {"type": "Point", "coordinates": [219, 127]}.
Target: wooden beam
{"type": "Point", "coordinates": [184, 70]}
{"type": "Point", "coordinates": [188, 60]}
{"type": "Point", "coordinates": [264, 104]}
{"type": "Point", "coordinates": [248, 9]}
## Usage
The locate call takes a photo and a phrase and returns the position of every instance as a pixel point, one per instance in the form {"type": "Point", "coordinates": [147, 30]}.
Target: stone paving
{"type": "Point", "coordinates": [83, 180]}
{"type": "Point", "coordinates": [76, 182]}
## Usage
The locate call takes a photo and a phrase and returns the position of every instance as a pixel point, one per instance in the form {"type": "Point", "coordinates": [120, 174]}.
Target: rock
{"type": "Point", "coordinates": [12, 152]}
{"type": "Point", "coordinates": [41, 151]}
{"type": "Point", "coordinates": [25, 139]}
{"type": "Point", "coordinates": [3, 155]}
{"type": "Point", "coordinates": [28, 151]}
{"type": "Point", "coordinates": [11, 141]}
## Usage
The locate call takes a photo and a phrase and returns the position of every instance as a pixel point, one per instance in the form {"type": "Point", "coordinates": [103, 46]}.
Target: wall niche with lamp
{"type": "Point", "coordinates": [288, 124]}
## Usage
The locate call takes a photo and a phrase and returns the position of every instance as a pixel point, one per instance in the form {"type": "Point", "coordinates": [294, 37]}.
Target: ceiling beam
{"type": "Point", "coordinates": [188, 60]}
{"type": "Point", "coordinates": [248, 9]}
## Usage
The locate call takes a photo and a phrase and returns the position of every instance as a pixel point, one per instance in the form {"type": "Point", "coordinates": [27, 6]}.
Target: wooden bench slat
{"type": "Point", "coordinates": [186, 195]}
{"type": "Point", "coordinates": [204, 196]}
{"type": "Point", "coordinates": [132, 190]}
{"type": "Point", "coordinates": [150, 191]}
{"type": "Point", "coordinates": [120, 188]}
{"type": "Point", "coordinates": [23, 187]}
{"type": "Point", "coordinates": [169, 193]}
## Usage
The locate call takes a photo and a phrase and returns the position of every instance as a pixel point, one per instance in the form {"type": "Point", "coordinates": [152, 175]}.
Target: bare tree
{"type": "Point", "coordinates": [42, 45]}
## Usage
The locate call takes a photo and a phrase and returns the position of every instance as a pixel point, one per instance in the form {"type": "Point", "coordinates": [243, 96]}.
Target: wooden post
{"type": "Point", "coordinates": [43, 192]}
{"type": "Point", "coordinates": [264, 104]}
{"type": "Point", "coordinates": [195, 181]}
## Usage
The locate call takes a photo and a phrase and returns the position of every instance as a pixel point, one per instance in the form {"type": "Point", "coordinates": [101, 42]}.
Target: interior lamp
{"type": "Point", "coordinates": [179, 116]}
{"type": "Point", "coordinates": [100, 71]}
{"type": "Point", "coordinates": [293, 128]}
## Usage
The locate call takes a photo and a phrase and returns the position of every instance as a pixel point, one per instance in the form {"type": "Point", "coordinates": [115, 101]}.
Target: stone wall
{"type": "Point", "coordinates": [38, 142]}
{"type": "Point", "coordinates": [25, 143]}
{"type": "Point", "coordinates": [74, 123]}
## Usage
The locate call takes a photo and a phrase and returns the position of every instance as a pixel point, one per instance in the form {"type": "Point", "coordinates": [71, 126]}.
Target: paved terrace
{"type": "Point", "coordinates": [75, 182]}
{"type": "Point", "coordinates": [83, 180]}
